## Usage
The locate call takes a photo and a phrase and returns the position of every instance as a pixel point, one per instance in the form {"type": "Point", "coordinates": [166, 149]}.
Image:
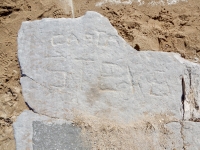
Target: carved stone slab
{"type": "Point", "coordinates": [83, 64]}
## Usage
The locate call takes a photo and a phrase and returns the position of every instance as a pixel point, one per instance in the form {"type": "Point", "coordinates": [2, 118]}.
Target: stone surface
{"type": "Point", "coordinates": [34, 132]}
{"type": "Point", "coordinates": [54, 136]}
{"type": "Point", "coordinates": [83, 65]}
{"type": "Point", "coordinates": [191, 133]}
{"type": "Point", "coordinates": [173, 138]}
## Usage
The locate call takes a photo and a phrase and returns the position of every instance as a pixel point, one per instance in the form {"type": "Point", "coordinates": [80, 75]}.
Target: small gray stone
{"type": "Point", "coordinates": [56, 137]}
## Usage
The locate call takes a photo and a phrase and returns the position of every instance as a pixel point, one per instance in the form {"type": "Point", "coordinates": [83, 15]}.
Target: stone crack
{"type": "Point", "coordinates": [34, 111]}
{"type": "Point", "coordinates": [183, 98]}
{"type": "Point", "coordinates": [24, 75]}
{"type": "Point", "coordinates": [182, 135]}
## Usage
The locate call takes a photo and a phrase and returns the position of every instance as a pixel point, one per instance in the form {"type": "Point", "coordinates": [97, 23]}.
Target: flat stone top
{"type": "Point", "coordinates": [83, 64]}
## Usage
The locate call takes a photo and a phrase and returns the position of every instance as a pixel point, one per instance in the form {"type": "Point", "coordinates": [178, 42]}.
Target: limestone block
{"type": "Point", "coordinates": [191, 135]}
{"type": "Point", "coordinates": [34, 132]}
{"type": "Point", "coordinates": [83, 64]}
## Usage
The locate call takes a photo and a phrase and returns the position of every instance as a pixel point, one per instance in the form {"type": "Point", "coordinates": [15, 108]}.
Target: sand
{"type": "Point", "coordinates": [174, 28]}
{"type": "Point", "coordinates": [106, 134]}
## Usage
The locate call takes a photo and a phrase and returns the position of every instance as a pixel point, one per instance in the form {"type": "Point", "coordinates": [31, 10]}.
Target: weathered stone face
{"type": "Point", "coordinates": [81, 65]}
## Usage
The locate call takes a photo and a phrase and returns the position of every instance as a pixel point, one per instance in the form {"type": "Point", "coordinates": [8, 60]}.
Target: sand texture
{"type": "Point", "coordinates": [145, 27]}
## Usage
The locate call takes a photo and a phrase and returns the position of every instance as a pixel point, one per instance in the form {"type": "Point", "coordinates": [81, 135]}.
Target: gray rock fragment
{"type": "Point", "coordinates": [55, 136]}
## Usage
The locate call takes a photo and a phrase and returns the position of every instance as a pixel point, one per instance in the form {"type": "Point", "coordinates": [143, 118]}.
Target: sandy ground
{"type": "Point", "coordinates": [174, 28]}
